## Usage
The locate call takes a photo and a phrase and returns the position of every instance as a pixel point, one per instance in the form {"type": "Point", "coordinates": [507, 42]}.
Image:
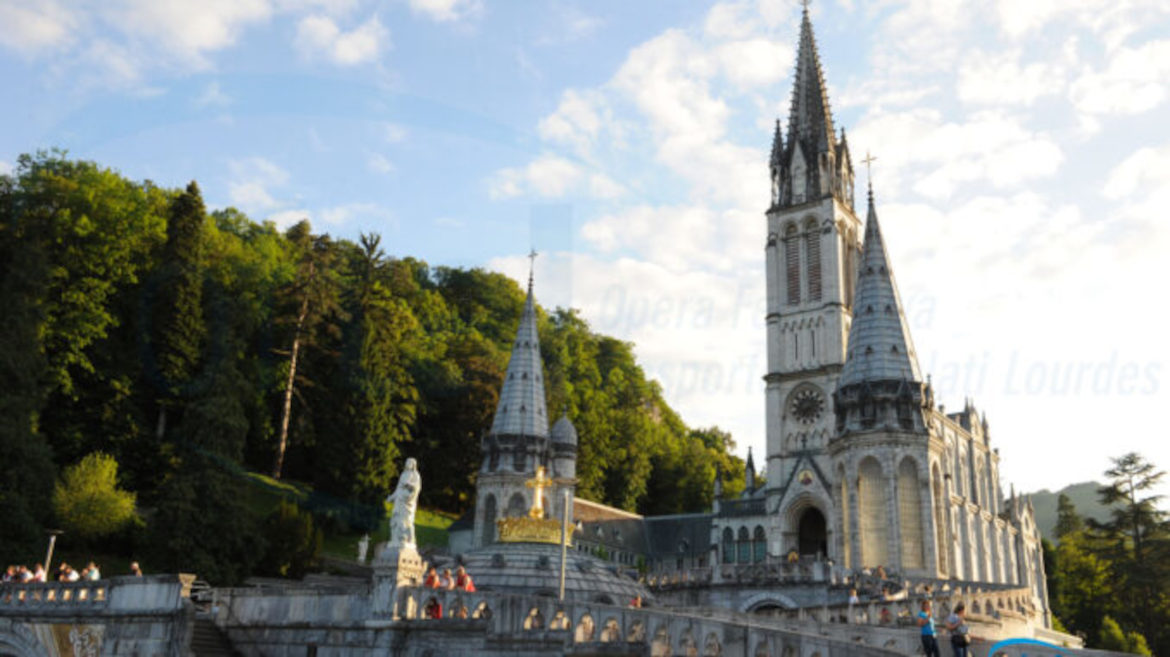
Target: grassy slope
{"type": "Point", "coordinates": [265, 493]}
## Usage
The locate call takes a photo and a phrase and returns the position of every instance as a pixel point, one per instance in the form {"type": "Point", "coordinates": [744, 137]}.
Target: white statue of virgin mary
{"type": "Point", "coordinates": [405, 500]}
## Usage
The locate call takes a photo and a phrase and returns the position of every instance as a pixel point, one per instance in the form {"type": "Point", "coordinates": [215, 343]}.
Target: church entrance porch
{"type": "Point", "coordinates": [811, 534]}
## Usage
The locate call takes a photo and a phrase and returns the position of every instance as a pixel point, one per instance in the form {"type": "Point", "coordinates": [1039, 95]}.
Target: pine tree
{"type": "Point", "coordinates": [178, 327]}
{"type": "Point", "coordinates": [313, 297]}
{"type": "Point", "coordinates": [1139, 534]}
{"type": "Point", "coordinates": [1067, 519]}
{"type": "Point", "coordinates": [375, 399]}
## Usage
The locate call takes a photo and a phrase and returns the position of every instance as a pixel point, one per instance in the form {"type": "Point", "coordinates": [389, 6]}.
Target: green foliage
{"type": "Point", "coordinates": [136, 325]}
{"type": "Point", "coordinates": [1111, 637]}
{"type": "Point", "coordinates": [294, 542]}
{"type": "Point", "coordinates": [1067, 520]}
{"type": "Point", "coordinates": [88, 501]}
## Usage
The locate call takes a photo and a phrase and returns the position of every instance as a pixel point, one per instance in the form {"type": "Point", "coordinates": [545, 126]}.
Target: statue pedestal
{"type": "Point", "coordinates": [395, 567]}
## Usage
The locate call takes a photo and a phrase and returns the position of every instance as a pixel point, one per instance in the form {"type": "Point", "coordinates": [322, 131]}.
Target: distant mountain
{"type": "Point", "coordinates": [1083, 496]}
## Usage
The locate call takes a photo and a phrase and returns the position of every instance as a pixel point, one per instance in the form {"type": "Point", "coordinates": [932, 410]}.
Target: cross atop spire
{"type": "Point", "coordinates": [531, 267]}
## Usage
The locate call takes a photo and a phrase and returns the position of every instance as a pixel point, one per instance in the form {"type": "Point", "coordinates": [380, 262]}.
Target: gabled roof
{"type": "Point", "coordinates": [879, 348]}
{"type": "Point", "coordinates": [522, 410]}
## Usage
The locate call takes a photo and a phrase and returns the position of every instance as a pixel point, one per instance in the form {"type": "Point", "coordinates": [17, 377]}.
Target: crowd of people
{"type": "Point", "coordinates": [956, 625]}
{"type": "Point", "coordinates": [460, 581]}
{"type": "Point", "coordinates": [21, 574]}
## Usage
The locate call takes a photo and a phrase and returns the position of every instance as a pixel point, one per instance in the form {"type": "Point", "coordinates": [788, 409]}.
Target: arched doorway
{"type": "Point", "coordinates": [811, 532]}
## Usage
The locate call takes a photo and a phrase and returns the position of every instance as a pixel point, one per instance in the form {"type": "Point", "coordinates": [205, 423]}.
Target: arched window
{"type": "Point", "coordinates": [759, 544]}
{"type": "Point", "coordinates": [792, 264]}
{"type": "Point", "coordinates": [489, 520]}
{"type": "Point", "coordinates": [874, 526]}
{"type": "Point", "coordinates": [517, 505]}
{"type": "Point", "coordinates": [847, 549]}
{"type": "Point", "coordinates": [910, 515]}
{"type": "Point", "coordinates": [940, 523]}
{"type": "Point", "coordinates": [812, 250]}
{"type": "Point", "coordinates": [728, 546]}
{"type": "Point", "coordinates": [744, 553]}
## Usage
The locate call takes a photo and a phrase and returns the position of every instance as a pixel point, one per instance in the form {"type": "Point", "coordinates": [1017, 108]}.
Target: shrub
{"type": "Point", "coordinates": [88, 501]}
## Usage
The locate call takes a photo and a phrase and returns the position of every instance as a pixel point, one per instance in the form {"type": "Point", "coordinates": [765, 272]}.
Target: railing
{"type": "Point", "coordinates": [661, 631]}
{"type": "Point", "coordinates": [153, 594]}
{"type": "Point", "coordinates": [54, 594]}
{"type": "Point", "coordinates": [764, 573]}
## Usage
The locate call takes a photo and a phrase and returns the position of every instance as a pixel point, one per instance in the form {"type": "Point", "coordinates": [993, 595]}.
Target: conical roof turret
{"type": "Point", "coordinates": [880, 348]}
{"type": "Point", "coordinates": [521, 409]}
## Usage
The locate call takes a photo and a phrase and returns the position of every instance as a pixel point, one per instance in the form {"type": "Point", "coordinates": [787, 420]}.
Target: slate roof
{"type": "Point", "coordinates": [521, 410]}
{"type": "Point", "coordinates": [534, 568]}
{"type": "Point", "coordinates": [879, 348]}
{"type": "Point", "coordinates": [689, 531]}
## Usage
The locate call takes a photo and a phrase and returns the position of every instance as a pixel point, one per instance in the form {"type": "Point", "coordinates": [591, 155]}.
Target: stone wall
{"type": "Point", "coordinates": [147, 616]}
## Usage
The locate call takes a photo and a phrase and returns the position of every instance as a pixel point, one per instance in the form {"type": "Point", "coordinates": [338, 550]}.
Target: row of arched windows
{"type": "Point", "coordinates": [743, 547]}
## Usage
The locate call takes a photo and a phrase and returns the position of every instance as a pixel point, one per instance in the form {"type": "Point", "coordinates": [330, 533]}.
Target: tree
{"type": "Point", "coordinates": [374, 401]}
{"type": "Point", "coordinates": [178, 327]}
{"type": "Point", "coordinates": [1139, 536]}
{"type": "Point", "coordinates": [314, 295]}
{"type": "Point", "coordinates": [88, 501]}
{"type": "Point", "coordinates": [294, 543]}
{"type": "Point", "coordinates": [1112, 637]}
{"type": "Point", "coordinates": [1067, 520]}
{"type": "Point", "coordinates": [1086, 590]}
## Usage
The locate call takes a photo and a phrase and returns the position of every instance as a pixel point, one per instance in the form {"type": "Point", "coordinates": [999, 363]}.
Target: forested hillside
{"type": "Point", "coordinates": [194, 346]}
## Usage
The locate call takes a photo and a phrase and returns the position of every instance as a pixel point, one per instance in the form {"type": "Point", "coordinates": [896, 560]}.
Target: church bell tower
{"type": "Point", "coordinates": [811, 252]}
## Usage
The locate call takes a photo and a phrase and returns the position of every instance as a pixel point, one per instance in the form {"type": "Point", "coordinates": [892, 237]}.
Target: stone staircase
{"type": "Point", "coordinates": [207, 640]}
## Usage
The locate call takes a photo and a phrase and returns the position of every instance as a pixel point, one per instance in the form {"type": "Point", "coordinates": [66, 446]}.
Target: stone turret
{"type": "Point", "coordinates": [519, 441]}
{"type": "Point", "coordinates": [881, 386]}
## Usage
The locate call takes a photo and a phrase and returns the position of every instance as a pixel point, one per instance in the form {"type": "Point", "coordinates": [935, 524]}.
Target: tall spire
{"type": "Point", "coordinates": [522, 409]}
{"type": "Point", "coordinates": [879, 348]}
{"type": "Point", "coordinates": [812, 164]}
{"type": "Point", "coordinates": [810, 121]}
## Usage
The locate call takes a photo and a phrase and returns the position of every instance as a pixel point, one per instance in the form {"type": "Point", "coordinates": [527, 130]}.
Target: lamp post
{"type": "Point", "coordinates": [53, 534]}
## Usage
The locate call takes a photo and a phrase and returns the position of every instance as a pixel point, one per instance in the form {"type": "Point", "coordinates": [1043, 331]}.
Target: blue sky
{"type": "Point", "coordinates": [1023, 169]}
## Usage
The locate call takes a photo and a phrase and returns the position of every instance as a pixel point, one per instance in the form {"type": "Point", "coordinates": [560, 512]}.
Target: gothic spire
{"type": "Point", "coordinates": [522, 409]}
{"type": "Point", "coordinates": [810, 121]}
{"type": "Point", "coordinates": [777, 147]}
{"type": "Point", "coordinates": [749, 473]}
{"type": "Point", "coordinates": [879, 347]}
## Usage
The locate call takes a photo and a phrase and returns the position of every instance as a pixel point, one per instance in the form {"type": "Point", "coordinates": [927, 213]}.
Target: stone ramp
{"type": "Point", "coordinates": [207, 640]}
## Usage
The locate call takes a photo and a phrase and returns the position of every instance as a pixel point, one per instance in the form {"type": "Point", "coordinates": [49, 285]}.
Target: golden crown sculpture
{"type": "Point", "coordinates": [535, 527]}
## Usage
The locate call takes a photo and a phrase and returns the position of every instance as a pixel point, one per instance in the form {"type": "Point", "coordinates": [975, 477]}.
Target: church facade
{"type": "Point", "coordinates": [863, 468]}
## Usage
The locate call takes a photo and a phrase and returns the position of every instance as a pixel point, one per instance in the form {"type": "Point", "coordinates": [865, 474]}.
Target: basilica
{"type": "Point", "coordinates": [864, 468]}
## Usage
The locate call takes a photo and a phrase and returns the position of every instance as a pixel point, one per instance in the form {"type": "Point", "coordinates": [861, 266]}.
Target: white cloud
{"type": "Point", "coordinates": [379, 164]}
{"type": "Point", "coordinates": [755, 63]}
{"type": "Point", "coordinates": [285, 219]}
{"type": "Point", "coordinates": [1148, 169]}
{"type": "Point", "coordinates": [254, 177]}
{"type": "Point", "coordinates": [577, 121]}
{"type": "Point", "coordinates": [940, 155]}
{"type": "Point", "coordinates": [447, 11]}
{"type": "Point", "coordinates": [991, 79]}
{"type": "Point", "coordinates": [1134, 80]}
{"type": "Point", "coordinates": [5, 168]}
{"type": "Point", "coordinates": [319, 35]}
{"type": "Point", "coordinates": [394, 133]}
{"type": "Point", "coordinates": [188, 30]}
{"type": "Point", "coordinates": [33, 26]}
{"type": "Point", "coordinates": [552, 176]}
{"type": "Point", "coordinates": [213, 96]}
